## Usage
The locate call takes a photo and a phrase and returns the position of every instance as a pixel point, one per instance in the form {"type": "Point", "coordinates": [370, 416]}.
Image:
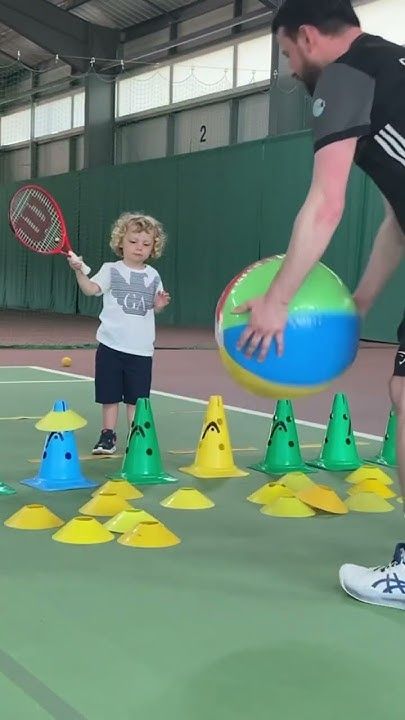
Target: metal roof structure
{"type": "Point", "coordinates": [34, 31]}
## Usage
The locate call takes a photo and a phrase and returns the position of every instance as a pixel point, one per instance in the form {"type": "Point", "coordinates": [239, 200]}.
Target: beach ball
{"type": "Point", "coordinates": [321, 336]}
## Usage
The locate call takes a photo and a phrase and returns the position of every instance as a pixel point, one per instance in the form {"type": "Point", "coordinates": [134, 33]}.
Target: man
{"type": "Point", "coordinates": [358, 86]}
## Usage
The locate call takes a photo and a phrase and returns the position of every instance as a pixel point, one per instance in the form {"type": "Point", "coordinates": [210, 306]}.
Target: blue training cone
{"type": "Point", "coordinates": [60, 467]}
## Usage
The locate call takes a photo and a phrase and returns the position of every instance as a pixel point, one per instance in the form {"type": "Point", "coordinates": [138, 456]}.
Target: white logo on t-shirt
{"type": "Point", "coordinates": [402, 61]}
{"type": "Point", "coordinates": [319, 107]}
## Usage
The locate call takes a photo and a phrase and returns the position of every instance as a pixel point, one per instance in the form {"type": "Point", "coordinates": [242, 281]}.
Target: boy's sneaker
{"type": "Point", "coordinates": [106, 443]}
{"type": "Point", "coordinates": [377, 586]}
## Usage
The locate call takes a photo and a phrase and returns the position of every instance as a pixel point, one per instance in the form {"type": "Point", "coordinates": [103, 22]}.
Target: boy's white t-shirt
{"type": "Point", "coordinates": [127, 320]}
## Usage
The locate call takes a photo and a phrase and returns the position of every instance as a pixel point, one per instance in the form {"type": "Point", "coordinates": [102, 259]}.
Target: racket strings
{"type": "Point", "coordinates": [36, 221]}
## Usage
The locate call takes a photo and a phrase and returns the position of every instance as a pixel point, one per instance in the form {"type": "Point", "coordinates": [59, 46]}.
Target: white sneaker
{"type": "Point", "coordinates": [377, 586]}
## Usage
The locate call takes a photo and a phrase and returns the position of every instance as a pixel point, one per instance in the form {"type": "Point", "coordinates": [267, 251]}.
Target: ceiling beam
{"type": "Point", "coordinates": [15, 61]}
{"type": "Point", "coordinates": [201, 7]}
{"type": "Point", "coordinates": [73, 4]}
{"type": "Point", "coordinates": [271, 4]}
{"type": "Point", "coordinates": [260, 19]}
{"type": "Point", "coordinates": [59, 32]}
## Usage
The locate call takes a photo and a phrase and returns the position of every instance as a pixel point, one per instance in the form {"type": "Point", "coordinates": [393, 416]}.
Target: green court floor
{"type": "Point", "coordinates": [243, 620]}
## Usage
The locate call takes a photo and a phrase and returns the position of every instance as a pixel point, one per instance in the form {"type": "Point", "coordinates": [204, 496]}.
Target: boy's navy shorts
{"type": "Point", "coordinates": [121, 377]}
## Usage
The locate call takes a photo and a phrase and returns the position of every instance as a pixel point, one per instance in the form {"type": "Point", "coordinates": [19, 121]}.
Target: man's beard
{"type": "Point", "coordinates": [310, 76]}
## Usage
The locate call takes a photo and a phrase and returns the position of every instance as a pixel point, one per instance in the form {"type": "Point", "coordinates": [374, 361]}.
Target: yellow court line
{"type": "Point", "coordinates": [22, 417]}
{"type": "Point", "coordinates": [87, 457]}
{"type": "Point", "coordinates": [190, 452]}
{"type": "Point", "coordinates": [318, 445]}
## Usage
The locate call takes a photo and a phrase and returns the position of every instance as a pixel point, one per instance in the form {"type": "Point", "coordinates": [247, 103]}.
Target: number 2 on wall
{"type": "Point", "coordinates": [203, 131]}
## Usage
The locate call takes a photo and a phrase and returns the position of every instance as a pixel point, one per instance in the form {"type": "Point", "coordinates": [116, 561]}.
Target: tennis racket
{"type": "Point", "coordinates": [38, 223]}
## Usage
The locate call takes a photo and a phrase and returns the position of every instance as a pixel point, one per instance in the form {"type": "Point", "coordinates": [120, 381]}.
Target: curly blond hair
{"type": "Point", "coordinates": [142, 223]}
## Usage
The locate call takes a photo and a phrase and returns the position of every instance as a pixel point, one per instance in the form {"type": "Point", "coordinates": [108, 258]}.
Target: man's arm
{"type": "Point", "coordinates": [387, 253]}
{"type": "Point", "coordinates": [317, 220]}
{"type": "Point", "coordinates": [313, 231]}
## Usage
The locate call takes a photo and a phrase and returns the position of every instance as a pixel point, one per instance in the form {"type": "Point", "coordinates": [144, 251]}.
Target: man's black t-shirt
{"type": "Point", "coordinates": [362, 94]}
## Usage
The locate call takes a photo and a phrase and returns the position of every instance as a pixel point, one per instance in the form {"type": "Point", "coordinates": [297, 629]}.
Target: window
{"type": "Point", "coordinates": [53, 117]}
{"type": "Point", "coordinates": [78, 110]}
{"type": "Point", "coordinates": [385, 18]}
{"type": "Point", "coordinates": [143, 92]}
{"type": "Point", "coordinates": [254, 60]}
{"type": "Point", "coordinates": [203, 75]}
{"type": "Point", "coordinates": [15, 127]}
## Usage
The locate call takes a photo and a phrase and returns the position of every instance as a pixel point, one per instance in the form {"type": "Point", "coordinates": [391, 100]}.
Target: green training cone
{"type": "Point", "coordinates": [6, 489]}
{"type": "Point", "coordinates": [388, 453]}
{"type": "Point", "coordinates": [339, 450]}
{"type": "Point", "coordinates": [142, 464]}
{"type": "Point", "coordinates": [283, 452]}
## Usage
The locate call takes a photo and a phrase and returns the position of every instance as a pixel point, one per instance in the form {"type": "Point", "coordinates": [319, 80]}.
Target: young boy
{"type": "Point", "coordinates": [132, 293]}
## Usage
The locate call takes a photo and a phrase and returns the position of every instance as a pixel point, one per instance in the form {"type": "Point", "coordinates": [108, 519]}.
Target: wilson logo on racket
{"type": "Point", "coordinates": [37, 222]}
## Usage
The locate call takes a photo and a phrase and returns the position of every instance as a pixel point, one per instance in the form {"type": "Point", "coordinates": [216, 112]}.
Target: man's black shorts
{"type": "Point", "coordinates": [399, 370]}
{"type": "Point", "coordinates": [121, 377]}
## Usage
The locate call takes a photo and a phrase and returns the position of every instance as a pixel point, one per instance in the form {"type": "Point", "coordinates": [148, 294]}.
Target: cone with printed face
{"type": "Point", "coordinates": [142, 463]}
{"type": "Point", "coordinates": [214, 457]}
{"type": "Point", "coordinates": [60, 467]}
{"type": "Point", "coordinates": [339, 450]}
{"type": "Point", "coordinates": [283, 454]}
{"type": "Point", "coordinates": [388, 453]}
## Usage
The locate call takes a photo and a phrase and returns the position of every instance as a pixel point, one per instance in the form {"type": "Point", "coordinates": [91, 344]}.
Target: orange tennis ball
{"type": "Point", "coordinates": [66, 361]}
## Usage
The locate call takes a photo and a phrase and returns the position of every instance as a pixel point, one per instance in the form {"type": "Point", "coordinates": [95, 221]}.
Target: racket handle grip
{"type": "Point", "coordinates": [84, 268]}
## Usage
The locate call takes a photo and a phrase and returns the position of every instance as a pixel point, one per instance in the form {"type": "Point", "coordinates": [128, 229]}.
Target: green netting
{"type": "Point", "coordinates": [222, 209]}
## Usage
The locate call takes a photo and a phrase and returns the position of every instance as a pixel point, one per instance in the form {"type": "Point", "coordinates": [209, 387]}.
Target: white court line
{"type": "Point", "coordinates": [233, 408]}
{"type": "Point", "coordinates": [37, 382]}
{"type": "Point", "coordinates": [15, 367]}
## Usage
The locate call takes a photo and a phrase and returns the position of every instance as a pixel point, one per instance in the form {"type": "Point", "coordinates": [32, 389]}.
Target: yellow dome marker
{"type": "Point", "coordinates": [323, 498]}
{"type": "Point", "coordinates": [105, 505]}
{"type": "Point", "coordinates": [151, 534]}
{"type": "Point", "coordinates": [127, 520]}
{"type": "Point", "coordinates": [119, 487]}
{"type": "Point", "coordinates": [83, 530]}
{"type": "Point", "coordinates": [296, 481]}
{"type": "Point", "coordinates": [285, 507]}
{"type": "Point", "coordinates": [269, 492]}
{"type": "Point", "coordinates": [369, 472]}
{"type": "Point", "coordinates": [367, 502]}
{"type": "Point", "coordinates": [33, 517]}
{"type": "Point", "coordinates": [372, 486]}
{"type": "Point", "coordinates": [188, 499]}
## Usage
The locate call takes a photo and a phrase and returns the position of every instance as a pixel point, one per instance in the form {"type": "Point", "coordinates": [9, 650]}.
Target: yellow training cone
{"type": "Point", "coordinates": [151, 534]}
{"type": "Point", "coordinates": [127, 520]}
{"type": "Point", "coordinates": [83, 531]}
{"type": "Point", "coordinates": [323, 498]}
{"type": "Point", "coordinates": [105, 504]}
{"type": "Point", "coordinates": [214, 457]}
{"type": "Point", "coordinates": [33, 517]}
{"type": "Point", "coordinates": [296, 481]}
{"type": "Point", "coordinates": [288, 507]}
{"type": "Point", "coordinates": [367, 502]}
{"type": "Point", "coordinates": [187, 499]}
{"type": "Point", "coordinates": [120, 487]}
{"type": "Point", "coordinates": [372, 486]}
{"type": "Point", "coordinates": [269, 492]}
{"type": "Point", "coordinates": [369, 472]}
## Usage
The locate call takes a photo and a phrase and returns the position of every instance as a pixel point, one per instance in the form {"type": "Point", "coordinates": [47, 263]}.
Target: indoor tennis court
{"type": "Point", "coordinates": [184, 113]}
{"type": "Point", "coordinates": [243, 615]}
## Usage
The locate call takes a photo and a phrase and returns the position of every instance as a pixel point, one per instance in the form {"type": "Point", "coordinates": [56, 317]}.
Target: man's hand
{"type": "Point", "coordinates": [268, 319]}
